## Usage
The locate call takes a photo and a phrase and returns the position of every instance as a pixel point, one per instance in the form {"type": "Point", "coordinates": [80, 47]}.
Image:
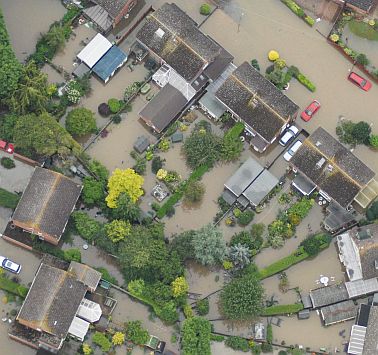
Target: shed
{"type": "Point", "coordinates": [304, 314]}
{"type": "Point", "coordinates": [78, 328]}
{"type": "Point", "coordinates": [303, 185]}
{"type": "Point", "coordinates": [81, 70]}
{"type": "Point", "coordinates": [260, 188]}
{"type": "Point", "coordinates": [113, 59]}
{"type": "Point", "coordinates": [94, 50]}
{"type": "Point", "coordinates": [177, 137]}
{"type": "Point", "coordinates": [141, 144]}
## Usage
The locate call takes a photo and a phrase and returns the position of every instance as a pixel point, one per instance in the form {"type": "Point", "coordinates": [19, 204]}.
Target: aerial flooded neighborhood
{"type": "Point", "coordinates": [188, 177]}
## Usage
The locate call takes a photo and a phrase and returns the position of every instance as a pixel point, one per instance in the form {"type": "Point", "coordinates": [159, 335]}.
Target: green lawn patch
{"type": "Point", "coordinates": [13, 287]}
{"type": "Point", "coordinates": [282, 309]}
{"type": "Point", "coordinates": [364, 30]}
{"type": "Point", "coordinates": [8, 199]}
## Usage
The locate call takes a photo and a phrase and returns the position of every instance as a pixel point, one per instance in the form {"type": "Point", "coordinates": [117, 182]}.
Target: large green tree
{"type": "Point", "coordinates": [242, 298]}
{"type": "Point", "coordinates": [81, 121]}
{"type": "Point", "coordinates": [208, 245]}
{"type": "Point", "coordinates": [43, 135]}
{"type": "Point", "coordinates": [93, 191]}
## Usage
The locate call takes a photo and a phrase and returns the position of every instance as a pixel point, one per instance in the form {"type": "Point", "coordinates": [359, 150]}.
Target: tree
{"type": "Point", "coordinates": [237, 343]}
{"type": "Point", "coordinates": [124, 181]}
{"type": "Point", "coordinates": [182, 244]}
{"type": "Point", "coordinates": [114, 105]}
{"type": "Point", "coordinates": [209, 246]}
{"type": "Point", "coordinates": [118, 338]}
{"type": "Point", "coordinates": [362, 59]}
{"type": "Point", "coordinates": [101, 340]}
{"type": "Point", "coordinates": [117, 230]}
{"type": "Point", "coordinates": [202, 148]}
{"type": "Point", "coordinates": [87, 227]}
{"type": "Point", "coordinates": [55, 37]}
{"type": "Point", "coordinates": [81, 121]}
{"type": "Point", "coordinates": [43, 135]}
{"type": "Point", "coordinates": [194, 192]}
{"type": "Point", "coordinates": [126, 209]}
{"type": "Point", "coordinates": [231, 148]}
{"type": "Point", "coordinates": [202, 306]}
{"type": "Point", "coordinates": [242, 298]}
{"type": "Point", "coordinates": [93, 191]}
{"type": "Point", "coordinates": [245, 217]}
{"type": "Point", "coordinates": [31, 94]}
{"type": "Point", "coordinates": [353, 133]}
{"type": "Point", "coordinates": [240, 255]}
{"type": "Point", "coordinates": [361, 132]}
{"type": "Point", "coordinates": [7, 125]}
{"type": "Point", "coordinates": [99, 170]}
{"type": "Point", "coordinates": [196, 336]}
{"type": "Point", "coordinates": [136, 333]}
{"type": "Point", "coordinates": [180, 287]}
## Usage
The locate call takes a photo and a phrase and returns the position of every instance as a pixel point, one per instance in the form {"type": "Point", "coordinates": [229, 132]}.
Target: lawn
{"type": "Point", "coordinates": [363, 30]}
{"type": "Point", "coordinates": [8, 199]}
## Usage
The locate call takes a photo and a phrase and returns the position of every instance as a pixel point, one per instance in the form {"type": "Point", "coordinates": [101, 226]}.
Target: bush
{"type": "Point", "coordinates": [101, 340]}
{"type": "Point", "coordinates": [8, 199]}
{"type": "Point", "coordinates": [194, 192]}
{"type": "Point", "coordinates": [255, 64]}
{"type": "Point", "coordinates": [88, 228]}
{"type": "Point", "coordinates": [216, 337]}
{"type": "Point", "coordinates": [104, 110]}
{"type": "Point", "coordinates": [373, 141]}
{"type": "Point", "coordinates": [196, 336]}
{"type": "Point", "coordinates": [266, 348]}
{"type": "Point", "coordinates": [282, 309]}
{"type": "Point", "coordinates": [80, 121]}
{"type": "Point", "coordinates": [114, 105]}
{"type": "Point", "coordinates": [245, 217]}
{"type": "Point", "coordinates": [237, 343]}
{"type": "Point", "coordinates": [202, 306]}
{"type": "Point", "coordinates": [306, 82]}
{"type": "Point", "coordinates": [117, 119]}
{"type": "Point", "coordinates": [156, 164]}
{"type": "Point", "coordinates": [314, 244]}
{"type": "Point", "coordinates": [7, 163]}
{"type": "Point", "coordinates": [309, 20]}
{"type": "Point", "coordinates": [253, 242]}
{"type": "Point", "coordinates": [273, 55]}
{"type": "Point", "coordinates": [72, 255]}
{"type": "Point", "coordinates": [205, 9]}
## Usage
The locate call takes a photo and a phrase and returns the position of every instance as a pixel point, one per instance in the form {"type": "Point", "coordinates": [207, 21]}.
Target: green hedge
{"type": "Point", "coordinates": [177, 196]}
{"type": "Point", "coordinates": [216, 337]}
{"type": "Point", "coordinates": [13, 287]}
{"type": "Point", "coordinates": [294, 7]}
{"type": "Point", "coordinates": [282, 309]}
{"type": "Point", "coordinates": [283, 264]}
{"type": "Point", "coordinates": [304, 81]}
{"type": "Point", "coordinates": [8, 199]}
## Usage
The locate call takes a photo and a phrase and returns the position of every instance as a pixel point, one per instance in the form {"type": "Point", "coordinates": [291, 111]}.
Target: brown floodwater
{"type": "Point", "coordinates": [26, 19]}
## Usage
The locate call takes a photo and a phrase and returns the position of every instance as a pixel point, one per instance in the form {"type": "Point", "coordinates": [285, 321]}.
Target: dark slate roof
{"type": "Point", "coordinates": [362, 4]}
{"type": "Point", "coordinates": [163, 108]}
{"type": "Point", "coordinates": [47, 202]}
{"type": "Point", "coordinates": [371, 337]}
{"type": "Point", "coordinates": [113, 7]}
{"type": "Point", "coordinates": [339, 312]}
{"type": "Point", "coordinates": [256, 101]}
{"type": "Point", "coordinates": [332, 167]}
{"type": "Point", "coordinates": [218, 66]}
{"type": "Point", "coordinates": [84, 273]}
{"type": "Point", "coordinates": [100, 16]}
{"type": "Point", "coordinates": [182, 45]}
{"type": "Point", "coordinates": [368, 249]}
{"type": "Point", "coordinates": [325, 296]}
{"type": "Point", "coordinates": [52, 301]}
{"type": "Point", "coordinates": [113, 59]}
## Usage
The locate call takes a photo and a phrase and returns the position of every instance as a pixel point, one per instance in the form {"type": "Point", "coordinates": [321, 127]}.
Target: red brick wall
{"type": "Point", "coordinates": [46, 237]}
{"type": "Point", "coordinates": [128, 6]}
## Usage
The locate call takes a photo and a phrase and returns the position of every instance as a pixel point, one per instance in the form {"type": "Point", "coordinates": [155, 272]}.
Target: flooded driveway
{"type": "Point", "coordinates": [26, 19]}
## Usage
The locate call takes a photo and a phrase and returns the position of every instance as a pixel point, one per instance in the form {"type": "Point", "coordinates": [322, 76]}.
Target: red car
{"type": "Point", "coordinates": [359, 81]}
{"type": "Point", "coordinates": [310, 110]}
{"type": "Point", "coordinates": [8, 147]}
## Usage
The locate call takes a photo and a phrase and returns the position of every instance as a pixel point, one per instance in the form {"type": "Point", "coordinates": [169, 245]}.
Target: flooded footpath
{"type": "Point", "coordinates": [27, 19]}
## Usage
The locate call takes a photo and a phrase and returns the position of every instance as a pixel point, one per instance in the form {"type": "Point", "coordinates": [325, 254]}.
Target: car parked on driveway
{"type": "Point", "coordinates": [10, 265]}
{"type": "Point", "coordinates": [289, 154]}
{"type": "Point", "coordinates": [359, 81]}
{"type": "Point", "coordinates": [310, 110]}
{"type": "Point", "coordinates": [8, 147]}
{"type": "Point", "coordinates": [288, 135]}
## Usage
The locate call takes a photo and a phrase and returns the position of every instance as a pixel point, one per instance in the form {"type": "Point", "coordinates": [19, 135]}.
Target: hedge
{"type": "Point", "coordinates": [304, 81]}
{"type": "Point", "coordinates": [295, 8]}
{"type": "Point", "coordinates": [282, 309]}
{"type": "Point", "coordinates": [13, 287]}
{"type": "Point", "coordinates": [177, 196]}
{"type": "Point", "coordinates": [8, 199]}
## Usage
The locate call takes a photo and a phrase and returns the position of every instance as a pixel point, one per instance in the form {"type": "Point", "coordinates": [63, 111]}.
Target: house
{"type": "Point", "coordinates": [46, 205]}
{"type": "Point", "coordinates": [358, 251]}
{"type": "Point", "coordinates": [106, 14]}
{"type": "Point", "coordinates": [249, 185]}
{"type": "Point", "coordinates": [55, 306]}
{"type": "Point", "coordinates": [364, 334]}
{"type": "Point", "coordinates": [189, 60]}
{"type": "Point", "coordinates": [336, 172]}
{"type": "Point", "coordinates": [255, 101]}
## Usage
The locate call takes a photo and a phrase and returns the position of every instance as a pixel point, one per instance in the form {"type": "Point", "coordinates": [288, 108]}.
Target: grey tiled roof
{"type": "Point", "coordinates": [325, 296]}
{"type": "Point", "coordinates": [84, 273]}
{"type": "Point", "coordinates": [339, 312]}
{"type": "Point", "coordinates": [256, 101]}
{"type": "Point", "coordinates": [52, 301]}
{"type": "Point", "coordinates": [182, 45]}
{"type": "Point", "coordinates": [47, 202]}
{"type": "Point", "coordinates": [113, 7]}
{"type": "Point", "coordinates": [362, 4]}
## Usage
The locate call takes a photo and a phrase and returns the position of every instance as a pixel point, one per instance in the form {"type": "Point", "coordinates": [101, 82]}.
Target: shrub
{"type": "Point", "coordinates": [196, 336]}
{"type": "Point", "coordinates": [136, 333]}
{"type": "Point", "coordinates": [101, 340]}
{"type": "Point", "coordinates": [237, 343]}
{"type": "Point", "coordinates": [307, 83]}
{"type": "Point", "coordinates": [266, 348]}
{"type": "Point", "coordinates": [13, 287]}
{"type": "Point", "coordinates": [362, 59]}
{"type": "Point", "coordinates": [273, 55]}
{"type": "Point", "coordinates": [373, 141]}
{"type": "Point", "coordinates": [156, 164]}
{"type": "Point", "coordinates": [188, 311]}
{"type": "Point", "coordinates": [255, 64]}
{"type": "Point", "coordinates": [309, 20]}
{"type": "Point", "coordinates": [164, 145]}
{"type": "Point", "coordinates": [7, 163]}
{"type": "Point", "coordinates": [245, 217]}
{"type": "Point", "coordinates": [104, 110]}
{"type": "Point", "coordinates": [114, 105]}
{"type": "Point", "coordinates": [205, 9]}
{"type": "Point", "coordinates": [314, 244]}
{"type": "Point", "coordinates": [194, 192]}
{"type": "Point", "coordinates": [80, 121]}
{"type": "Point", "coordinates": [216, 337]}
{"type": "Point", "coordinates": [8, 199]}
{"type": "Point", "coordinates": [88, 228]}
{"type": "Point", "coordinates": [132, 90]}
{"type": "Point", "coordinates": [280, 63]}
{"type": "Point", "coordinates": [105, 275]}
{"type": "Point", "coordinates": [117, 119]}
{"type": "Point", "coordinates": [72, 255]}
{"type": "Point", "coordinates": [202, 306]}
{"type": "Point", "coordinates": [334, 37]}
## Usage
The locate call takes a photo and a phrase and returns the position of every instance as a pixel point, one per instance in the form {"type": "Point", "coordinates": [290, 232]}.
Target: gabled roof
{"type": "Point", "coordinates": [332, 167]}
{"type": "Point", "coordinates": [256, 101]}
{"type": "Point", "coordinates": [100, 16]}
{"type": "Point", "coordinates": [174, 36]}
{"type": "Point", "coordinates": [113, 7]}
{"type": "Point", "coordinates": [47, 203]}
{"type": "Point", "coordinates": [84, 273]}
{"type": "Point", "coordinates": [52, 301]}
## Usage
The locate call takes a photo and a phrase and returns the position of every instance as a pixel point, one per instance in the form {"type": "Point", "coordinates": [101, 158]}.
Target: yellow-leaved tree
{"type": "Point", "coordinates": [118, 338]}
{"type": "Point", "coordinates": [179, 286]}
{"type": "Point", "coordinates": [117, 230]}
{"type": "Point", "coordinates": [124, 181]}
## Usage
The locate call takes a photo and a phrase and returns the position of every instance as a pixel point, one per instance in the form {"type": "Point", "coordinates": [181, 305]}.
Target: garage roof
{"type": "Point", "coordinates": [109, 63]}
{"type": "Point", "coordinates": [94, 50]}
